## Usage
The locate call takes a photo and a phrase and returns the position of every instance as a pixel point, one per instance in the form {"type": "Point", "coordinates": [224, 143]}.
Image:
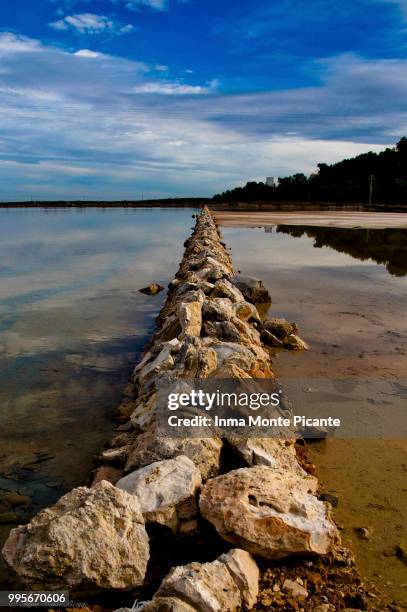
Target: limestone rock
{"type": "Point", "coordinates": [295, 589]}
{"type": "Point", "coordinates": [225, 585]}
{"type": "Point", "coordinates": [152, 289]}
{"type": "Point", "coordinates": [217, 309]}
{"type": "Point", "coordinates": [224, 288]}
{"type": "Point", "coordinates": [246, 311]}
{"type": "Point", "coordinates": [269, 513]}
{"type": "Point", "coordinates": [281, 328]}
{"type": "Point", "coordinates": [252, 289]}
{"type": "Point", "coordinates": [270, 339]}
{"type": "Point", "coordinates": [272, 452]}
{"type": "Point", "coordinates": [91, 539]}
{"type": "Point", "coordinates": [245, 573]}
{"type": "Point", "coordinates": [151, 446]}
{"type": "Point", "coordinates": [295, 343]}
{"type": "Point", "coordinates": [164, 486]}
{"type": "Point", "coordinates": [190, 316]}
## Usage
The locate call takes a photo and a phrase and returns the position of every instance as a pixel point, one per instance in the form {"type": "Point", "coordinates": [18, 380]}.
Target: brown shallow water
{"type": "Point", "coordinates": [346, 289]}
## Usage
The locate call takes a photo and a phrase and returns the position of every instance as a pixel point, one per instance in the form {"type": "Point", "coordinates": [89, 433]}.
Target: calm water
{"type": "Point", "coordinates": [72, 324]}
{"type": "Point", "coordinates": [347, 290]}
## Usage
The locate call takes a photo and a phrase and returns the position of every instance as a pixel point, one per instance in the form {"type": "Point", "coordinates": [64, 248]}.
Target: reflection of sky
{"type": "Point", "coordinates": [68, 276]}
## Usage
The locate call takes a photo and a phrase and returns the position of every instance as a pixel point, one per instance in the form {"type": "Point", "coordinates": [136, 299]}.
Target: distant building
{"type": "Point", "coordinates": [270, 181]}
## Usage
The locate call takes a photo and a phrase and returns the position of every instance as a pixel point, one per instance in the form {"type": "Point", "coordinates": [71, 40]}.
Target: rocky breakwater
{"type": "Point", "coordinates": [266, 505]}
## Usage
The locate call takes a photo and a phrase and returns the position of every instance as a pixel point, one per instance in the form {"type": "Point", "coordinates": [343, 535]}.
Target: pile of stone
{"type": "Point", "coordinates": [95, 538]}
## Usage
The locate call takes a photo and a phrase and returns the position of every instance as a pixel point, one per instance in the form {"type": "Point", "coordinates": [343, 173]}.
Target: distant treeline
{"type": "Point", "coordinates": [165, 202]}
{"type": "Point", "coordinates": [345, 181]}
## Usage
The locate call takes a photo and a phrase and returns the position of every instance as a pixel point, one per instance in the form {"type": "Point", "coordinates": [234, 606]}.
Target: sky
{"type": "Point", "coordinates": [131, 99]}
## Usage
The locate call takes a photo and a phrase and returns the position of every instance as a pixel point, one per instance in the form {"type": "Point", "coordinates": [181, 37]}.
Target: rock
{"type": "Point", "coordinates": [217, 309]}
{"type": "Point", "coordinates": [106, 472]}
{"type": "Point", "coordinates": [151, 446]}
{"type": "Point", "coordinates": [323, 608]}
{"type": "Point", "coordinates": [225, 585]}
{"type": "Point", "coordinates": [280, 328]}
{"type": "Point", "coordinates": [246, 311]}
{"type": "Point", "coordinates": [252, 289]}
{"type": "Point", "coordinates": [271, 452]}
{"type": "Point", "coordinates": [164, 486]}
{"type": "Point", "coordinates": [363, 533]}
{"type": "Point", "coordinates": [270, 513]}
{"type": "Point", "coordinates": [295, 343]}
{"type": "Point", "coordinates": [207, 362]}
{"type": "Point", "coordinates": [270, 339]}
{"type": "Point", "coordinates": [152, 289]}
{"type": "Point", "coordinates": [190, 317]}
{"type": "Point", "coordinates": [328, 497]}
{"type": "Point", "coordinates": [91, 539]}
{"type": "Point", "coordinates": [245, 573]}
{"type": "Point", "coordinates": [224, 288]}
{"type": "Point", "coordinates": [401, 553]}
{"type": "Point", "coordinates": [163, 361]}
{"type": "Point", "coordinates": [296, 590]}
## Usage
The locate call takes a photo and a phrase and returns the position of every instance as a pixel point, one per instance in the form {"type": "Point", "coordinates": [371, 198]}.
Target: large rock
{"type": "Point", "coordinates": [228, 584]}
{"type": "Point", "coordinates": [281, 328]}
{"type": "Point", "coordinates": [252, 289]}
{"type": "Point", "coordinates": [91, 539]}
{"type": "Point", "coordinates": [164, 487]}
{"type": "Point", "coordinates": [268, 512]}
{"type": "Point", "coordinates": [224, 288]}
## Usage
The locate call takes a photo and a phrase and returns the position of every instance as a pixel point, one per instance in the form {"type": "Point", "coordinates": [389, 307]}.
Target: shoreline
{"type": "Point", "coordinates": [178, 349]}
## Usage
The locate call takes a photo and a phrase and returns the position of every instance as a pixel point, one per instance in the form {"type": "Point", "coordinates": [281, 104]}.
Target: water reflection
{"type": "Point", "coordinates": [72, 323]}
{"type": "Point", "coordinates": [384, 246]}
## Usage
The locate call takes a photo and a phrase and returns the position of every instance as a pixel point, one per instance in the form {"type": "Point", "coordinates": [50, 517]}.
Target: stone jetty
{"type": "Point", "coordinates": [262, 509]}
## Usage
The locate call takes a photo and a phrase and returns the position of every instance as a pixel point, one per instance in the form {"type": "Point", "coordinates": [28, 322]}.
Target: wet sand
{"type": "Point", "coordinates": [343, 219]}
{"type": "Point", "coordinates": [352, 312]}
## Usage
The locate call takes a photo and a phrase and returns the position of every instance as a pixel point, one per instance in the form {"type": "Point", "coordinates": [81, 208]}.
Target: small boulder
{"type": "Point", "coordinates": [295, 589]}
{"type": "Point", "coordinates": [224, 585]}
{"type": "Point", "coordinates": [295, 343]}
{"type": "Point", "coordinates": [224, 288]}
{"type": "Point", "coordinates": [252, 289]}
{"type": "Point", "coordinates": [91, 539]}
{"type": "Point", "coordinates": [269, 512]}
{"type": "Point", "coordinates": [280, 328]}
{"type": "Point", "coordinates": [152, 289]}
{"type": "Point", "coordinates": [164, 487]}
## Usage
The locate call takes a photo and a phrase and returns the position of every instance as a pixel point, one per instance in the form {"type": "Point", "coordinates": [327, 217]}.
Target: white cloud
{"type": "Point", "coordinates": [87, 53]}
{"type": "Point", "coordinates": [161, 68]}
{"type": "Point", "coordinates": [91, 23]}
{"type": "Point", "coordinates": [157, 5]}
{"type": "Point", "coordinates": [175, 88]}
{"type": "Point", "coordinates": [86, 124]}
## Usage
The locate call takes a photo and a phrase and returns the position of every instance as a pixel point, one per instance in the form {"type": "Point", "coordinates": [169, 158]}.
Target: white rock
{"type": "Point", "coordinates": [162, 487]}
{"type": "Point", "coordinates": [295, 589]}
{"type": "Point", "coordinates": [269, 513]}
{"type": "Point", "coordinates": [245, 573]}
{"type": "Point", "coordinates": [190, 316]}
{"type": "Point", "coordinates": [91, 538]}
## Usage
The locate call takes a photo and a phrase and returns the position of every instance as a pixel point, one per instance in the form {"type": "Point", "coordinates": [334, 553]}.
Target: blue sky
{"type": "Point", "coordinates": [123, 98]}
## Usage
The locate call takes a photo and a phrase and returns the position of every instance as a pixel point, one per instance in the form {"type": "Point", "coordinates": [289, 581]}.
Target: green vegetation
{"type": "Point", "coordinates": [345, 181]}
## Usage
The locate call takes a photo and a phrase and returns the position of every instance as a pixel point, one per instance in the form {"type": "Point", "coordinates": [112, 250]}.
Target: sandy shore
{"type": "Point", "coordinates": [377, 220]}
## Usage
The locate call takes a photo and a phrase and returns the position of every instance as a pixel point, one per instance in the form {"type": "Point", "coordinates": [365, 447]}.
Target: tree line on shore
{"type": "Point", "coordinates": [370, 177]}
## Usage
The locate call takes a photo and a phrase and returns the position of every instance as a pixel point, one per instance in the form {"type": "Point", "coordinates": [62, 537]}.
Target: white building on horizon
{"type": "Point", "coordinates": [270, 181]}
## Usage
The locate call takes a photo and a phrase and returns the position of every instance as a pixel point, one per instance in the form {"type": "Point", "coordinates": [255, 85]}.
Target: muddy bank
{"type": "Point", "coordinates": [227, 506]}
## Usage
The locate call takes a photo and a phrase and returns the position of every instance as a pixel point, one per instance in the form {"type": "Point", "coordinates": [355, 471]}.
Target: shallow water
{"type": "Point", "coordinates": [347, 290]}
{"type": "Point", "coordinates": [72, 324]}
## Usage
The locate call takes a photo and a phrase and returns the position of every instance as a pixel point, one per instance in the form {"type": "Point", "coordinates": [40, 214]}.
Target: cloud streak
{"type": "Point", "coordinates": [91, 23]}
